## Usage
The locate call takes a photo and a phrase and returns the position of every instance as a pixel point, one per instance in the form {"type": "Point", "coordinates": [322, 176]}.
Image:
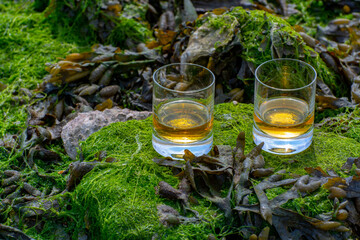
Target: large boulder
{"type": "Point", "coordinates": [118, 200]}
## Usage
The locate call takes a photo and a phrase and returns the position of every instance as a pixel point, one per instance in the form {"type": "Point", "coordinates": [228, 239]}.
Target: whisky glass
{"type": "Point", "coordinates": [183, 109]}
{"type": "Point", "coordinates": [284, 103]}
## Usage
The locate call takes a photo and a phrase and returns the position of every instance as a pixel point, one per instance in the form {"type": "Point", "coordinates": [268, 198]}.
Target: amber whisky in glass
{"type": "Point", "coordinates": [284, 105]}
{"type": "Point", "coordinates": [183, 121]}
{"type": "Point", "coordinates": [183, 102]}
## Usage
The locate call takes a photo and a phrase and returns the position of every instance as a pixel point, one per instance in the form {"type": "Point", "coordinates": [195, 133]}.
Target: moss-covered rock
{"type": "Point", "coordinates": [262, 36]}
{"type": "Point", "coordinates": [265, 36]}
{"type": "Point", "coordinates": [118, 200]}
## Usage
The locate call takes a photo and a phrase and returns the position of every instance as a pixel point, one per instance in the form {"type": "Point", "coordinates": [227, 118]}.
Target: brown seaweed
{"type": "Point", "coordinates": [37, 208]}
{"type": "Point", "coordinates": [169, 217]}
{"type": "Point", "coordinates": [244, 169]}
{"type": "Point", "coordinates": [265, 210]}
{"type": "Point", "coordinates": [165, 190]}
{"type": "Point", "coordinates": [8, 232]}
{"type": "Point", "coordinates": [77, 172]}
{"type": "Point", "coordinates": [353, 187]}
{"type": "Point", "coordinates": [167, 21]}
{"type": "Point", "coordinates": [43, 154]}
{"type": "Point", "coordinates": [31, 190]}
{"type": "Point", "coordinates": [13, 176]}
{"type": "Point", "coordinates": [353, 218]}
{"type": "Point", "coordinates": [304, 185]}
{"type": "Point", "coordinates": [349, 164]}
{"type": "Point", "coordinates": [288, 224]}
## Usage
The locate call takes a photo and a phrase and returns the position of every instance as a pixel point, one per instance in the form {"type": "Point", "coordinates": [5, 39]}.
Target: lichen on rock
{"type": "Point", "coordinates": [118, 200]}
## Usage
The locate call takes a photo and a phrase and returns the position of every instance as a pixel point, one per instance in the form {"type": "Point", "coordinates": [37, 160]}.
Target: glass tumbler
{"type": "Point", "coordinates": [284, 103]}
{"type": "Point", "coordinates": [183, 109]}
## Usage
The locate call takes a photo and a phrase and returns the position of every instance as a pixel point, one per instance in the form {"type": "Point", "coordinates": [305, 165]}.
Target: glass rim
{"type": "Point", "coordinates": [286, 89]}
{"type": "Point", "coordinates": [178, 91]}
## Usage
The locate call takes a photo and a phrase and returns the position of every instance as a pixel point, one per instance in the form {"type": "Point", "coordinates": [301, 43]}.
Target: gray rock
{"type": "Point", "coordinates": [205, 40]}
{"type": "Point", "coordinates": [87, 123]}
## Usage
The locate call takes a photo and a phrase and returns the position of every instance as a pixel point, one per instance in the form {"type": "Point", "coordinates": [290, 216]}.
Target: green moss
{"type": "Point", "coordinates": [313, 13]}
{"type": "Point", "coordinates": [346, 124]}
{"type": "Point", "coordinates": [119, 200]}
{"type": "Point", "coordinates": [222, 21]}
{"type": "Point", "coordinates": [84, 22]}
{"type": "Point", "coordinates": [259, 29]}
{"type": "Point", "coordinates": [263, 36]}
{"type": "Point", "coordinates": [253, 199]}
{"type": "Point", "coordinates": [273, 192]}
{"type": "Point", "coordinates": [125, 204]}
{"type": "Point", "coordinates": [26, 45]}
{"type": "Point", "coordinates": [4, 154]}
{"type": "Point", "coordinates": [311, 205]}
{"type": "Point", "coordinates": [127, 188]}
{"type": "Point", "coordinates": [129, 28]}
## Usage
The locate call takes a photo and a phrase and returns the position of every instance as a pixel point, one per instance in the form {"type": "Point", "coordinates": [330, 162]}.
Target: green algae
{"type": "Point", "coordinates": [124, 206]}
{"type": "Point", "coordinates": [258, 29]}
{"type": "Point", "coordinates": [26, 45]}
{"type": "Point", "coordinates": [4, 154]}
{"type": "Point", "coordinates": [216, 22]}
{"type": "Point", "coordinates": [329, 150]}
{"type": "Point", "coordinates": [313, 13]}
{"type": "Point", "coordinates": [114, 196]}
{"type": "Point", "coordinates": [263, 36]}
{"type": "Point", "coordinates": [91, 21]}
{"type": "Point", "coordinates": [312, 205]}
{"type": "Point", "coordinates": [127, 188]}
{"type": "Point", "coordinates": [346, 124]}
{"type": "Point", "coordinates": [128, 28]}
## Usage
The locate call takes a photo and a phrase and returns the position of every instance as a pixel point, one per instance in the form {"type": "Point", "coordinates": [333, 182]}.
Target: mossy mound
{"type": "Point", "coordinates": [264, 36]}
{"type": "Point", "coordinates": [118, 200]}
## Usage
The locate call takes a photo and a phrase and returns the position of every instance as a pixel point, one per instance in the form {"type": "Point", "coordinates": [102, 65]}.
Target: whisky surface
{"type": "Point", "coordinates": [182, 121]}
{"type": "Point", "coordinates": [284, 117]}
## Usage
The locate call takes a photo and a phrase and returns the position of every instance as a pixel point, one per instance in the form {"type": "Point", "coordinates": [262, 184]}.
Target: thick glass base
{"type": "Point", "coordinates": [176, 151]}
{"type": "Point", "coordinates": [281, 146]}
